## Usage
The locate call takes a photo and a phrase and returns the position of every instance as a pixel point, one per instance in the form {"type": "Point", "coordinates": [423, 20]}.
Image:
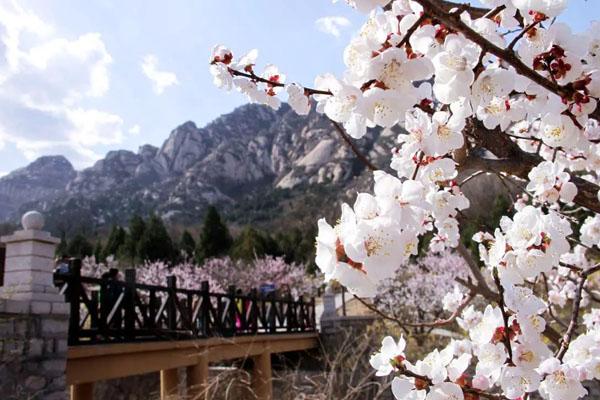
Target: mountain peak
{"type": "Point", "coordinates": [45, 178]}
{"type": "Point", "coordinates": [188, 125]}
{"type": "Point", "coordinates": [252, 151]}
{"type": "Point", "coordinates": [46, 164]}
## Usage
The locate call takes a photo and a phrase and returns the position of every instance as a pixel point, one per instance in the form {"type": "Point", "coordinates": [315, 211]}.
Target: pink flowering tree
{"type": "Point", "coordinates": [506, 90]}
{"type": "Point", "coordinates": [421, 291]}
{"type": "Point", "coordinates": [220, 273]}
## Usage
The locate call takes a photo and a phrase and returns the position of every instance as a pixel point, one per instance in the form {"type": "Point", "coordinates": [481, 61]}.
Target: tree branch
{"type": "Point", "coordinates": [252, 76]}
{"type": "Point", "coordinates": [523, 33]}
{"type": "Point", "coordinates": [505, 336]}
{"type": "Point", "coordinates": [353, 147]}
{"type": "Point", "coordinates": [566, 341]}
{"type": "Point", "coordinates": [434, 9]}
{"type": "Point", "coordinates": [472, 391]}
{"type": "Point", "coordinates": [512, 160]}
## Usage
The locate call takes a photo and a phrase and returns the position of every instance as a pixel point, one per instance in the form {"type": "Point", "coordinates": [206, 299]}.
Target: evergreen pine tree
{"type": "Point", "coordinates": [7, 228]}
{"type": "Point", "coordinates": [80, 247]}
{"type": "Point", "coordinates": [155, 243]}
{"type": "Point", "coordinates": [187, 244]}
{"type": "Point", "coordinates": [137, 227]}
{"type": "Point", "coordinates": [252, 243]}
{"type": "Point", "coordinates": [215, 239]}
{"type": "Point", "coordinates": [98, 251]}
{"type": "Point", "coordinates": [115, 240]}
{"type": "Point", "coordinates": [62, 248]}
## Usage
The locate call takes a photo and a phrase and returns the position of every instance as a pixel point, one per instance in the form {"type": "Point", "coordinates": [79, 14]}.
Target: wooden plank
{"type": "Point", "coordinates": [85, 351]}
{"type": "Point", "coordinates": [121, 365]}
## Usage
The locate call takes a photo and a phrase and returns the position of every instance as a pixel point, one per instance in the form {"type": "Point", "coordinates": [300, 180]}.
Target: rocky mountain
{"type": "Point", "coordinates": [257, 164]}
{"type": "Point", "coordinates": [42, 181]}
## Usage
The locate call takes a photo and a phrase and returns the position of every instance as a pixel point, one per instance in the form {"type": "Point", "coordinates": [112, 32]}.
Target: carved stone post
{"type": "Point", "coordinates": [329, 316]}
{"type": "Point", "coordinates": [30, 264]}
{"type": "Point", "coordinates": [33, 316]}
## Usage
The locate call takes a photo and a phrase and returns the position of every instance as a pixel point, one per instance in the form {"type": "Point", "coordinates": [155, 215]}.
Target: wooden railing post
{"type": "Point", "coordinates": [205, 309]}
{"type": "Point", "coordinates": [273, 317]}
{"type": "Point", "coordinates": [104, 309]}
{"type": "Point", "coordinates": [289, 312]}
{"type": "Point", "coordinates": [74, 292]}
{"type": "Point", "coordinates": [232, 311]}
{"type": "Point", "coordinates": [301, 314]}
{"type": "Point", "coordinates": [152, 309]}
{"type": "Point", "coordinates": [129, 304]}
{"type": "Point", "coordinates": [94, 313]}
{"type": "Point", "coordinates": [253, 320]}
{"type": "Point", "coordinates": [189, 315]}
{"type": "Point", "coordinates": [313, 317]}
{"type": "Point", "coordinates": [171, 304]}
{"type": "Point", "coordinates": [262, 303]}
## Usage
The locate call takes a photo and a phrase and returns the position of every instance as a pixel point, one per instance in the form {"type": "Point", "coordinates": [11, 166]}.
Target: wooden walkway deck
{"type": "Point", "coordinates": [124, 328]}
{"type": "Point", "coordinates": [91, 363]}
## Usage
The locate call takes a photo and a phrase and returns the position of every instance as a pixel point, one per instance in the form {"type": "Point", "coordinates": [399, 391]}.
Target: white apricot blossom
{"type": "Point", "coordinates": [590, 231]}
{"type": "Point", "coordinates": [549, 183]}
{"type": "Point", "coordinates": [561, 382]}
{"type": "Point", "coordinates": [470, 94]}
{"type": "Point", "coordinates": [390, 356]}
{"type": "Point", "coordinates": [297, 99]}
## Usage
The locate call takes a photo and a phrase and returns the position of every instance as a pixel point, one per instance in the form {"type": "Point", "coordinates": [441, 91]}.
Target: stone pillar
{"type": "Point", "coordinates": [30, 264]}
{"type": "Point", "coordinates": [329, 309]}
{"type": "Point", "coordinates": [262, 382]}
{"type": "Point", "coordinates": [33, 316]}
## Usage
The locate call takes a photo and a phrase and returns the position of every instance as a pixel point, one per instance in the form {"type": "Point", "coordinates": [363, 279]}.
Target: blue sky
{"type": "Point", "coordinates": [72, 80]}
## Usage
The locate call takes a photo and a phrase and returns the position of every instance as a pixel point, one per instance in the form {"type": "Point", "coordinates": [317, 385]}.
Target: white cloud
{"type": "Point", "coordinates": [160, 79]}
{"type": "Point", "coordinates": [135, 130]}
{"type": "Point", "coordinates": [332, 25]}
{"type": "Point", "coordinates": [93, 127]}
{"type": "Point", "coordinates": [42, 79]}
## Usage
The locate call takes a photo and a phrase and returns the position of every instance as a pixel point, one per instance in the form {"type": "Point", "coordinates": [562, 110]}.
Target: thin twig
{"type": "Point", "coordinates": [564, 346]}
{"type": "Point", "coordinates": [523, 33]}
{"type": "Point", "coordinates": [383, 315]}
{"type": "Point", "coordinates": [505, 336]}
{"type": "Point", "coordinates": [252, 76]}
{"type": "Point", "coordinates": [472, 176]}
{"type": "Point", "coordinates": [411, 30]}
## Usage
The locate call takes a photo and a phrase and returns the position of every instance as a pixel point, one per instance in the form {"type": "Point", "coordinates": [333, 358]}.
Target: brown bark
{"type": "Point", "coordinates": [512, 160]}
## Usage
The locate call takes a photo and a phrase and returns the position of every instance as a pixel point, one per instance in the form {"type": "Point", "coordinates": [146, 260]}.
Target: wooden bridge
{"type": "Point", "coordinates": [124, 328]}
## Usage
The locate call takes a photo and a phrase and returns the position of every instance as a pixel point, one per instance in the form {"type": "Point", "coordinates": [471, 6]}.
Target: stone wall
{"type": "Point", "coordinates": [33, 351]}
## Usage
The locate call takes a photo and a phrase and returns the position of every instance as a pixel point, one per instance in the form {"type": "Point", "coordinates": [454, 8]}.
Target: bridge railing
{"type": "Point", "coordinates": [108, 310]}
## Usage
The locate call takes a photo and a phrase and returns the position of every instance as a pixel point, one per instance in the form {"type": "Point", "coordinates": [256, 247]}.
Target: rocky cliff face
{"type": "Point", "coordinates": [42, 181]}
{"type": "Point", "coordinates": [253, 152]}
